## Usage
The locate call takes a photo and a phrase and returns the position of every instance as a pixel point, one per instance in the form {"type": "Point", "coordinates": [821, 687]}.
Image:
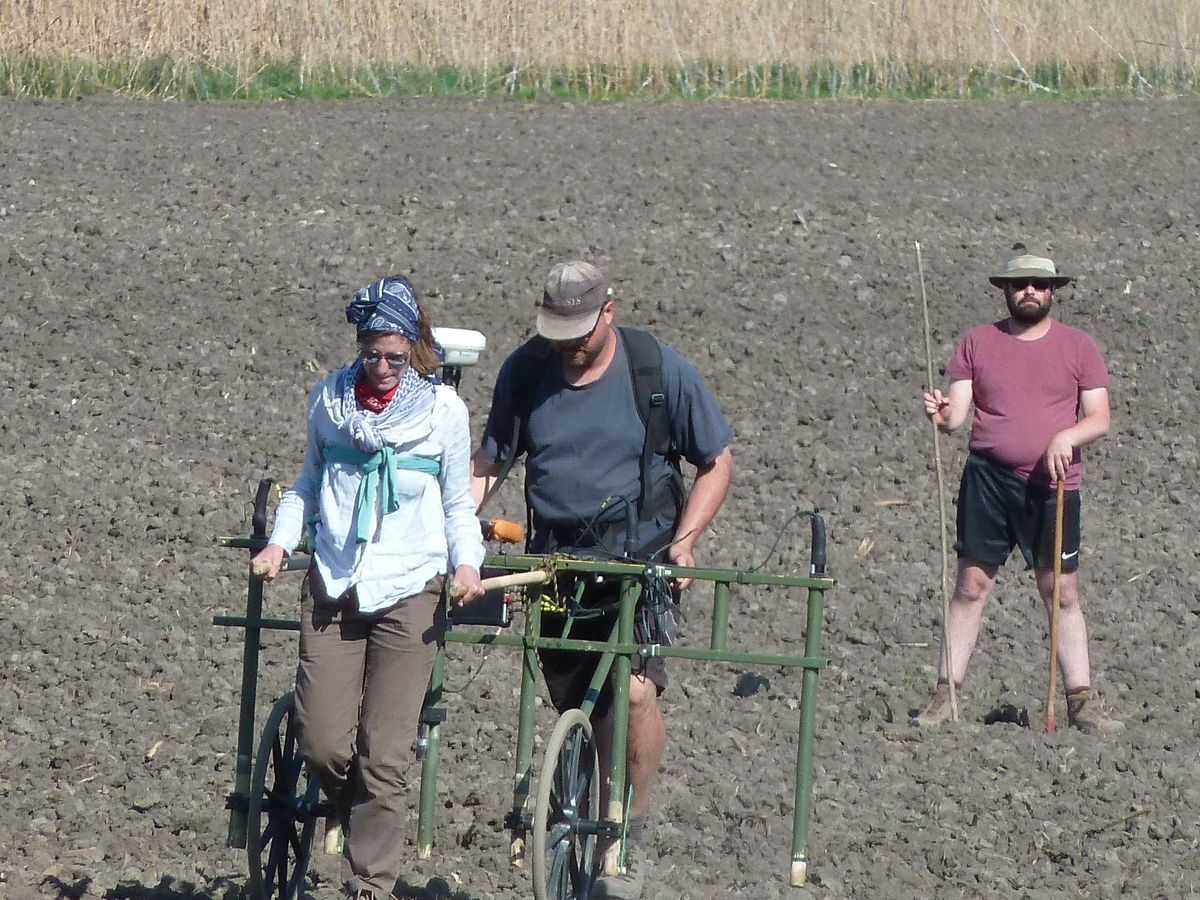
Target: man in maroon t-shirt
{"type": "Point", "coordinates": [1040, 392]}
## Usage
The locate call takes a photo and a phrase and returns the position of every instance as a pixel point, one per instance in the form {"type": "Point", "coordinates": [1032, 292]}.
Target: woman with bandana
{"type": "Point", "coordinates": [385, 495]}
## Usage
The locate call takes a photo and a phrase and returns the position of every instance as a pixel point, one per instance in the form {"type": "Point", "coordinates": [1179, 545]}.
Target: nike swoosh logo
{"type": "Point", "coordinates": [1069, 555]}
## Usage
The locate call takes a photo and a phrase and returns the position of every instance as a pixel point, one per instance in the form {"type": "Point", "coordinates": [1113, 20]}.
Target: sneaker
{"type": "Point", "coordinates": [937, 710]}
{"type": "Point", "coordinates": [628, 885]}
{"type": "Point", "coordinates": [1085, 712]}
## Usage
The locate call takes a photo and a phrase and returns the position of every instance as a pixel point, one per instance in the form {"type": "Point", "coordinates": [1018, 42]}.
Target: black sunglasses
{"type": "Point", "coordinates": [1040, 284]}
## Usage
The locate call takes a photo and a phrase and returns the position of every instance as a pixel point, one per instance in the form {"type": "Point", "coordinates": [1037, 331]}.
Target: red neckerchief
{"type": "Point", "coordinates": [370, 399]}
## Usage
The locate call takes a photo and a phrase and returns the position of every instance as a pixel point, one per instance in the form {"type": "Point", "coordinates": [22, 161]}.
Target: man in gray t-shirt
{"type": "Point", "coordinates": [583, 442]}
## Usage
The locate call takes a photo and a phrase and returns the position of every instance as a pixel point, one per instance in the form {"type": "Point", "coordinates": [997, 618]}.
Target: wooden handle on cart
{"type": "Point", "coordinates": [493, 529]}
{"type": "Point", "coordinates": [513, 579]}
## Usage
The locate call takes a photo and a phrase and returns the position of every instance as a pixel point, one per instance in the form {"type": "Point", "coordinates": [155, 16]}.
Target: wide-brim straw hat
{"type": "Point", "coordinates": [1029, 265]}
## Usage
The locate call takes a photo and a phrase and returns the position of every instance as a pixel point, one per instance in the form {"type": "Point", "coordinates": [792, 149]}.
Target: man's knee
{"type": "Point", "coordinates": [643, 693]}
{"type": "Point", "coordinates": [1068, 588]}
{"type": "Point", "coordinates": [974, 583]}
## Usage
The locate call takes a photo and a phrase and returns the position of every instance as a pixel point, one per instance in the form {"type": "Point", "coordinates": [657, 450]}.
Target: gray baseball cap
{"type": "Point", "coordinates": [571, 302]}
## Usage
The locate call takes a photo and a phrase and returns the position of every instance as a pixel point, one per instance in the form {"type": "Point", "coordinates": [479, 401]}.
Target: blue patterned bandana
{"type": "Point", "coordinates": [389, 305]}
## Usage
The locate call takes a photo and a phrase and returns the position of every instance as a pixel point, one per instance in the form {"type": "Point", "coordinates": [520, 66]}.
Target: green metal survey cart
{"type": "Point", "coordinates": [558, 818]}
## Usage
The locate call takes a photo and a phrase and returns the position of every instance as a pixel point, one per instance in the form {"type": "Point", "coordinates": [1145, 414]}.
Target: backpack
{"type": "Point", "coordinates": [644, 353]}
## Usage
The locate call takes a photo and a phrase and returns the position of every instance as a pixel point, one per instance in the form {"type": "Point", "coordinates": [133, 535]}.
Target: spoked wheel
{"type": "Point", "coordinates": [284, 806]}
{"type": "Point", "coordinates": [567, 813]}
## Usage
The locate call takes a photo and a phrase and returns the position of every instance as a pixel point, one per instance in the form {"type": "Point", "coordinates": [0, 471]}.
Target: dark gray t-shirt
{"type": "Point", "coordinates": [583, 445]}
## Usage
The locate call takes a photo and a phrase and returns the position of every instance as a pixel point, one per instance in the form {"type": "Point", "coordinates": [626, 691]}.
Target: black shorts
{"type": "Point", "coordinates": [569, 672]}
{"type": "Point", "coordinates": [997, 510]}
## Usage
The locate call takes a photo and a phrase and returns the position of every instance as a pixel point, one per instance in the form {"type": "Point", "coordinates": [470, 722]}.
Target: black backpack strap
{"type": "Point", "coordinates": [649, 392]}
{"type": "Point", "coordinates": [529, 365]}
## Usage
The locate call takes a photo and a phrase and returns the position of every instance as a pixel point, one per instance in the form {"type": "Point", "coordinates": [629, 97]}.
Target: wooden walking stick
{"type": "Point", "coordinates": [941, 486]}
{"type": "Point", "coordinates": [1058, 542]}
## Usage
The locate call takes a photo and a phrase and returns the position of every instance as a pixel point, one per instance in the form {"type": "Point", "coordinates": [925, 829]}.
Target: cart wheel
{"type": "Point", "coordinates": [567, 812]}
{"type": "Point", "coordinates": [283, 810]}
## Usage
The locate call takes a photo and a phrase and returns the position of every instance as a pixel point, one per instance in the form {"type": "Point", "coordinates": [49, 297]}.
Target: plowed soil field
{"type": "Point", "coordinates": [173, 278]}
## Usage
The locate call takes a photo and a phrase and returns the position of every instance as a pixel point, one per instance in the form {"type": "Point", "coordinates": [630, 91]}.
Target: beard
{"type": "Point", "coordinates": [580, 356]}
{"type": "Point", "coordinates": [1028, 313]}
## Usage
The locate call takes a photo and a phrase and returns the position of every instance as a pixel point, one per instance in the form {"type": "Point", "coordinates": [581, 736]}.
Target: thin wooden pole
{"type": "Point", "coordinates": [941, 486]}
{"type": "Point", "coordinates": [1058, 542]}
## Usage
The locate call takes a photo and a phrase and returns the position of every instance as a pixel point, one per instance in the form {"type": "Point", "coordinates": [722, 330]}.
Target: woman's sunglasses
{"type": "Point", "coordinates": [396, 361]}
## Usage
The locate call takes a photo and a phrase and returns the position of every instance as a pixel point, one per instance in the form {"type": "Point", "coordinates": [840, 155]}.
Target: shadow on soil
{"type": "Point", "coordinates": [166, 889]}
{"type": "Point", "coordinates": [226, 889]}
{"type": "Point", "coordinates": [434, 889]}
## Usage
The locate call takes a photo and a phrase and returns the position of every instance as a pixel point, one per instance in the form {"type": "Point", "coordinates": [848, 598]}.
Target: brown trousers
{"type": "Point", "coordinates": [360, 685]}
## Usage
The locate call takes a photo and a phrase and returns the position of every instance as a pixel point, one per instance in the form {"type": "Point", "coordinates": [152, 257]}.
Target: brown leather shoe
{"type": "Point", "coordinates": [1087, 713]}
{"type": "Point", "coordinates": [937, 710]}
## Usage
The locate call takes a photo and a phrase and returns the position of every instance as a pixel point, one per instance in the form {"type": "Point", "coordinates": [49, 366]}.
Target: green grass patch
{"type": "Point", "coordinates": [181, 79]}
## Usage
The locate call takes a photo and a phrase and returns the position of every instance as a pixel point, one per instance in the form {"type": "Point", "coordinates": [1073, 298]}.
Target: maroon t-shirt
{"type": "Point", "coordinates": [1025, 392]}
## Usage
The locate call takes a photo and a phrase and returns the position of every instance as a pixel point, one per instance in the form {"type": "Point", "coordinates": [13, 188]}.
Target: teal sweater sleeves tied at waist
{"type": "Point", "coordinates": [379, 479]}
